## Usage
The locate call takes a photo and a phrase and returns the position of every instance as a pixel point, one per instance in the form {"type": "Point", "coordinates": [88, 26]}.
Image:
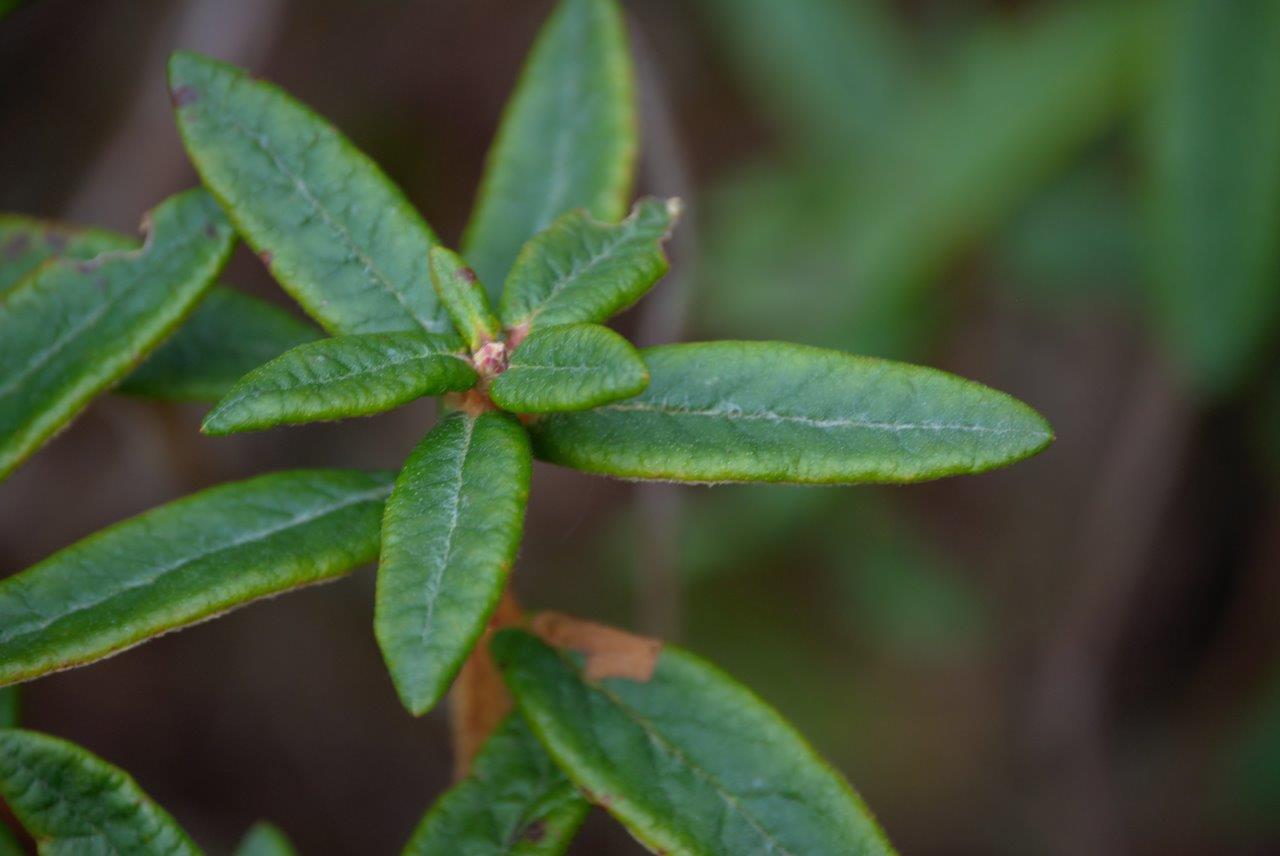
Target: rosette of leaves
{"type": "Point", "coordinates": [509, 333]}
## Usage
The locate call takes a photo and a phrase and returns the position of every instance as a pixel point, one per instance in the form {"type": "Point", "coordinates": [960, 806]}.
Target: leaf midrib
{"type": "Point", "coordinates": [261, 535]}
{"type": "Point", "coordinates": [579, 269]}
{"type": "Point", "coordinates": [775, 417]}
{"type": "Point", "coordinates": [436, 580]}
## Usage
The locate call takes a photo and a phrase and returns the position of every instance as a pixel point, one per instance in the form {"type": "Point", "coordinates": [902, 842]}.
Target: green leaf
{"type": "Point", "coordinates": [572, 367]}
{"type": "Point", "coordinates": [9, 708]}
{"type": "Point", "coordinates": [690, 761]}
{"type": "Point", "coordinates": [76, 804]}
{"type": "Point", "coordinates": [184, 562]}
{"type": "Point", "coordinates": [463, 297]}
{"type": "Point", "coordinates": [515, 802]}
{"type": "Point", "coordinates": [845, 252]}
{"type": "Point", "coordinates": [568, 137]}
{"type": "Point", "coordinates": [72, 329]}
{"type": "Point", "coordinates": [580, 269]}
{"type": "Point", "coordinates": [1214, 189]}
{"type": "Point", "coordinates": [767, 411]}
{"type": "Point", "coordinates": [833, 73]}
{"type": "Point", "coordinates": [449, 537]}
{"type": "Point", "coordinates": [265, 839]}
{"type": "Point", "coordinates": [228, 334]}
{"type": "Point", "coordinates": [340, 377]}
{"type": "Point", "coordinates": [332, 228]}
{"type": "Point", "coordinates": [26, 243]}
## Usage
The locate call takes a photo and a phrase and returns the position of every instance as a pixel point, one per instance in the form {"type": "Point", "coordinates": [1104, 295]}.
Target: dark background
{"type": "Point", "coordinates": [1078, 655]}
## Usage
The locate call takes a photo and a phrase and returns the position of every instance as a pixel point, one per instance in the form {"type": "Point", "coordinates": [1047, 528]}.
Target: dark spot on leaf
{"type": "Point", "coordinates": [211, 231]}
{"type": "Point", "coordinates": [56, 241]}
{"type": "Point", "coordinates": [16, 246]}
{"type": "Point", "coordinates": [184, 95]}
{"type": "Point", "coordinates": [535, 831]}
{"type": "Point", "coordinates": [266, 257]}
{"type": "Point", "coordinates": [468, 274]}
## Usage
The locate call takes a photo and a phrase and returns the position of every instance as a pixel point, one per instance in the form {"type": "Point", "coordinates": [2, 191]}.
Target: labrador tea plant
{"type": "Point", "coordinates": [552, 714]}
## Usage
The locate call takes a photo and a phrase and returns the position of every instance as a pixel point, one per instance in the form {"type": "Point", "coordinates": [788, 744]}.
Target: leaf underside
{"type": "Point", "coordinates": [689, 761]}
{"type": "Point", "coordinates": [73, 328]}
{"type": "Point", "coordinates": [572, 367]}
{"type": "Point", "coordinates": [344, 376]}
{"type": "Point", "coordinates": [76, 804]}
{"type": "Point", "coordinates": [449, 537]}
{"type": "Point", "coordinates": [1213, 192]}
{"type": "Point", "coordinates": [580, 269]}
{"type": "Point", "coordinates": [515, 802]}
{"type": "Point", "coordinates": [186, 561]}
{"type": "Point", "coordinates": [567, 139]}
{"type": "Point", "coordinates": [333, 230]}
{"type": "Point", "coordinates": [763, 411]}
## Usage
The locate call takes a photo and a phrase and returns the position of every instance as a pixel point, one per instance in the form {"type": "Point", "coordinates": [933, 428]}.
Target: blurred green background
{"type": "Point", "coordinates": [1076, 202]}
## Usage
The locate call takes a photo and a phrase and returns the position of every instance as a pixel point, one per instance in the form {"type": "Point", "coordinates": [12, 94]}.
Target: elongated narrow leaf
{"type": "Point", "coordinates": [572, 367]}
{"type": "Point", "coordinates": [690, 761]}
{"type": "Point", "coordinates": [184, 562]}
{"type": "Point", "coordinates": [75, 804]}
{"type": "Point", "coordinates": [832, 73]}
{"type": "Point", "coordinates": [265, 839]}
{"type": "Point", "coordinates": [768, 411]}
{"type": "Point", "coordinates": [340, 377]}
{"type": "Point", "coordinates": [227, 335]}
{"type": "Point", "coordinates": [580, 269]}
{"type": "Point", "coordinates": [463, 297]}
{"type": "Point", "coordinates": [844, 252]}
{"type": "Point", "coordinates": [567, 140]}
{"type": "Point", "coordinates": [449, 537]}
{"type": "Point", "coordinates": [514, 803]}
{"type": "Point", "coordinates": [1214, 199]}
{"type": "Point", "coordinates": [74, 328]}
{"type": "Point", "coordinates": [26, 243]}
{"type": "Point", "coordinates": [9, 707]}
{"type": "Point", "coordinates": [335, 232]}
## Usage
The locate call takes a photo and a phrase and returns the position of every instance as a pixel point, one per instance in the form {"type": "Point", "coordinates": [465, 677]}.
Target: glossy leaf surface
{"type": "Point", "coordinates": [690, 761]}
{"type": "Point", "coordinates": [75, 804]}
{"type": "Point", "coordinates": [26, 243]}
{"type": "Point", "coordinates": [580, 269]}
{"type": "Point", "coordinates": [265, 839]}
{"type": "Point", "coordinates": [572, 367]}
{"type": "Point", "coordinates": [766, 411]}
{"type": "Point", "coordinates": [1214, 199]}
{"type": "Point", "coordinates": [334, 231]}
{"type": "Point", "coordinates": [184, 562]}
{"type": "Point", "coordinates": [340, 377]}
{"type": "Point", "coordinates": [567, 140]}
{"type": "Point", "coordinates": [74, 328]}
{"type": "Point", "coordinates": [515, 802]}
{"type": "Point", "coordinates": [449, 537]}
{"type": "Point", "coordinates": [463, 297]}
{"type": "Point", "coordinates": [227, 335]}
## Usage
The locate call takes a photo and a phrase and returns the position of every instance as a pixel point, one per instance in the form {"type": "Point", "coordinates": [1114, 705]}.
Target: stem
{"type": "Point", "coordinates": [479, 700]}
